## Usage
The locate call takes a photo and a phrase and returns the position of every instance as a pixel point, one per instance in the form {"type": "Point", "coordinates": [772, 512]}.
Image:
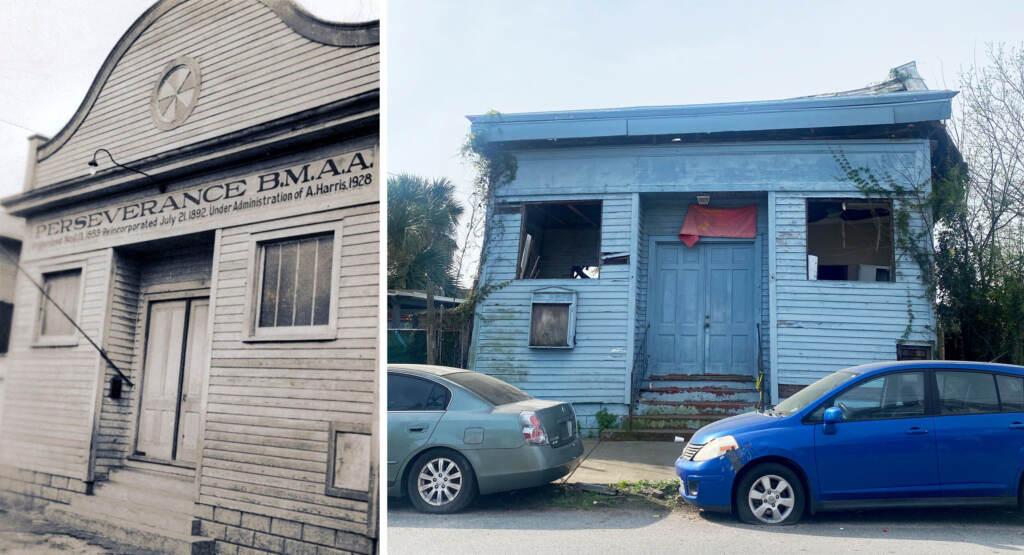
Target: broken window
{"type": "Point", "coordinates": [560, 241]}
{"type": "Point", "coordinates": [849, 240]}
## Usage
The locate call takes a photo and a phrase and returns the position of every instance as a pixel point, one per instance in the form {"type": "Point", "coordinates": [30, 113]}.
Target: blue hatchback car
{"type": "Point", "coordinates": [896, 434]}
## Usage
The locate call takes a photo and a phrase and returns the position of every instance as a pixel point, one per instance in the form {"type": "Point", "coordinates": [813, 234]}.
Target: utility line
{"type": "Point", "coordinates": [10, 257]}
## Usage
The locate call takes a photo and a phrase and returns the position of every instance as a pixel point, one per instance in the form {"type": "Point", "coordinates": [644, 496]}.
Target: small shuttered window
{"type": "Point", "coordinates": [64, 289]}
{"type": "Point", "coordinates": [295, 286]}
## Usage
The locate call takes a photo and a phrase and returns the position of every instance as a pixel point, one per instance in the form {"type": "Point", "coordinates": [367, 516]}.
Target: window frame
{"type": "Point", "coordinates": [325, 332]}
{"type": "Point", "coordinates": [370, 495]}
{"type": "Point", "coordinates": [554, 295]}
{"type": "Point", "coordinates": [522, 235]}
{"type": "Point", "coordinates": [421, 378]}
{"type": "Point", "coordinates": [892, 215]}
{"type": "Point", "coordinates": [67, 340]}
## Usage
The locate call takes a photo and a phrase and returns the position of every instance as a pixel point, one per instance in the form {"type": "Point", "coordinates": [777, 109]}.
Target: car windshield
{"type": "Point", "coordinates": [812, 393]}
{"type": "Point", "coordinates": [492, 390]}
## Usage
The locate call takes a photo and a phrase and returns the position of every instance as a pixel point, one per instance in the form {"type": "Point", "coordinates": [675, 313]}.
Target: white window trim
{"type": "Point", "coordinates": [70, 340]}
{"type": "Point", "coordinates": [555, 295]}
{"type": "Point", "coordinates": [327, 332]}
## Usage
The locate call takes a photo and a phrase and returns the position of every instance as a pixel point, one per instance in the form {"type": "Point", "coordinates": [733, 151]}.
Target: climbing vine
{"type": "Point", "coordinates": [928, 199]}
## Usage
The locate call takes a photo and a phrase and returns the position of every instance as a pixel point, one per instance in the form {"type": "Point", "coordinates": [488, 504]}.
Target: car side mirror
{"type": "Point", "coordinates": [833, 416]}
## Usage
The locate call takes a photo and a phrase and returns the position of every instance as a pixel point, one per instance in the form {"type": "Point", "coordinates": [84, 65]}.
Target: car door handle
{"type": "Point", "coordinates": [417, 428]}
{"type": "Point", "coordinates": [916, 431]}
{"type": "Point", "coordinates": [1017, 426]}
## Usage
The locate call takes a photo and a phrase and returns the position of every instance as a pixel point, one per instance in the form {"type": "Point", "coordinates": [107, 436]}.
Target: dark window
{"type": "Point", "coordinates": [849, 239]}
{"type": "Point", "coordinates": [966, 393]}
{"type": "Point", "coordinates": [488, 388]}
{"type": "Point", "coordinates": [560, 241]}
{"type": "Point", "coordinates": [891, 396]}
{"type": "Point", "coordinates": [1011, 392]}
{"type": "Point", "coordinates": [6, 313]}
{"type": "Point", "coordinates": [913, 352]}
{"type": "Point", "coordinates": [63, 289]}
{"type": "Point", "coordinates": [406, 393]}
{"type": "Point", "coordinates": [296, 282]}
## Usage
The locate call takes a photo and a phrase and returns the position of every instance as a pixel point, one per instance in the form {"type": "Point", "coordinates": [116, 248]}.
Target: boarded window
{"type": "Point", "coordinates": [63, 288]}
{"type": "Point", "coordinates": [351, 459]}
{"type": "Point", "coordinates": [553, 318]}
{"type": "Point", "coordinates": [560, 241]}
{"type": "Point", "coordinates": [296, 281]}
{"type": "Point", "coordinates": [849, 239]}
{"type": "Point", "coordinates": [905, 351]}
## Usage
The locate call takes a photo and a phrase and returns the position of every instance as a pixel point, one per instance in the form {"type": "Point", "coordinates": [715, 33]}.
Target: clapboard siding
{"type": "Point", "coordinates": [663, 215]}
{"type": "Point", "coordinates": [124, 340]}
{"type": "Point", "coordinates": [269, 404]}
{"type": "Point", "coordinates": [254, 67]}
{"type": "Point", "coordinates": [824, 326]}
{"type": "Point", "coordinates": [596, 370]}
{"type": "Point", "coordinates": [51, 391]}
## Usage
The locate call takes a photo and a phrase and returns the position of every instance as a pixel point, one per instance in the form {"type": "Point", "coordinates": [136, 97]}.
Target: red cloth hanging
{"type": "Point", "coordinates": [718, 222]}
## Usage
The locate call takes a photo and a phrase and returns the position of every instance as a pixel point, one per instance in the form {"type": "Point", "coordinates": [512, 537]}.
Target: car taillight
{"type": "Point", "coordinates": [533, 431]}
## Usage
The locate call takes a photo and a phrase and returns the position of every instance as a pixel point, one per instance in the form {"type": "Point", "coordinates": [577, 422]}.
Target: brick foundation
{"type": "Point", "coordinates": [30, 489]}
{"type": "Point", "coordinates": [242, 533]}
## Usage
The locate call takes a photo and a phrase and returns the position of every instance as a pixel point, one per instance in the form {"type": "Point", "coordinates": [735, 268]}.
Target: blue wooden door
{"type": "Point", "coordinates": [677, 300]}
{"type": "Point", "coordinates": [703, 309]}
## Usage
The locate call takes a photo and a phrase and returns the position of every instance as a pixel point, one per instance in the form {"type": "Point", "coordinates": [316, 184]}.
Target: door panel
{"type": "Point", "coordinates": [731, 342]}
{"type": "Point", "coordinates": [161, 375]}
{"type": "Point", "coordinates": [703, 309]}
{"type": "Point", "coordinates": [196, 368]}
{"type": "Point", "coordinates": [677, 332]}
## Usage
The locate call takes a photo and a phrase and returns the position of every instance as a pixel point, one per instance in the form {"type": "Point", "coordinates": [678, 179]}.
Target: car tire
{"type": "Point", "coordinates": [441, 482]}
{"type": "Point", "coordinates": [770, 494]}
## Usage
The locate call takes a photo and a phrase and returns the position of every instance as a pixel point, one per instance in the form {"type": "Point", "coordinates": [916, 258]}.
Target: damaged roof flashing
{"type": "Point", "coordinates": [903, 98]}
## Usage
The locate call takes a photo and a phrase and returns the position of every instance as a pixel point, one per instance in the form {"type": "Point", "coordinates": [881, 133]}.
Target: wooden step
{"type": "Point", "coordinates": [683, 377]}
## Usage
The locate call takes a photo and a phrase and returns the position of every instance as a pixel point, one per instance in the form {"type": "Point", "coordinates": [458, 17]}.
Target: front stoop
{"type": "Point", "coordinates": [144, 505]}
{"type": "Point", "coordinates": [679, 404]}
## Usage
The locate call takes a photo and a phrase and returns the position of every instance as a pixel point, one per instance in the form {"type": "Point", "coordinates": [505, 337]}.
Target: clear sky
{"type": "Point", "coordinates": [446, 59]}
{"type": "Point", "coordinates": [50, 51]}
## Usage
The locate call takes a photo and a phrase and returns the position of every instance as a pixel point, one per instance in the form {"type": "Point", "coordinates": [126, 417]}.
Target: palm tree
{"type": "Point", "coordinates": [423, 216]}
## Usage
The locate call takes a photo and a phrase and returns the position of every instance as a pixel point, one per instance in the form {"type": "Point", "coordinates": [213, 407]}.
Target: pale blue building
{"type": "Point", "coordinates": [606, 307]}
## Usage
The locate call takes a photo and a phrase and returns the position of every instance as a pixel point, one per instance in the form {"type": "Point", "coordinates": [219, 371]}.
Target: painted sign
{"type": "Point", "coordinates": [347, 176]}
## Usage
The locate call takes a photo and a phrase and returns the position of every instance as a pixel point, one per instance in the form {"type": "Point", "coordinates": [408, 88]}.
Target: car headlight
{"type": "Point", "coordinates": [716, 448]}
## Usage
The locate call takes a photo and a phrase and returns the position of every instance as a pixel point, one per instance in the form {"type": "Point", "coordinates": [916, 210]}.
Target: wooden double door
{"type": "Point", "coordinates": [703, 306]}
{"type": "Point", "coordinates": [175, 366]}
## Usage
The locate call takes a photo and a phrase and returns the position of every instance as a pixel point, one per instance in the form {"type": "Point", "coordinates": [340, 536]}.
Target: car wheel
{"type": "Point", "coordinates": [770, 494]}
{"type": "Point", "coordinates": [441, 482]}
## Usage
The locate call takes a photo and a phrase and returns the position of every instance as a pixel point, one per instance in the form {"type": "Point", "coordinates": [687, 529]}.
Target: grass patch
{"type": "Point", "coordinates": [567, 496]}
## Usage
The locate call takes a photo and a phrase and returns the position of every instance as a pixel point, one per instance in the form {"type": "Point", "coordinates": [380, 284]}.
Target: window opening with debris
{"type": "Point", "coordinates": [560, 241]}
{"type": "Point", "coordinates": [849, 240]}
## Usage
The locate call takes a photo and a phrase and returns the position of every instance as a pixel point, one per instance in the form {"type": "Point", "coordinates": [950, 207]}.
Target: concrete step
{"type": "Point", "coordinates": [147, 538]}
{"type": "Point", "coordinates": [695, 408]}
{"type": "Point", "coordinates": [157, 468]}
{"type": "Point", "coordinates": [669, 421]}
{"type": "Point", "coordinates": [647, 435]}
{"type": "Point", "coordinates": [176, 500]}
{"type": "Point", "coordinates": [171, 515]}
{"type": "Point", "coordinates": [700, 377]}
{"type": "Point", "coordinates": [708, 393]}
{"type": "Point", "coordinates": [169, 484]}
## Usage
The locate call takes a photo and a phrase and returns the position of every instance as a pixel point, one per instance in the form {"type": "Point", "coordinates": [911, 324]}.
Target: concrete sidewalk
{"type": "Point", "coordinates": [614, 461]}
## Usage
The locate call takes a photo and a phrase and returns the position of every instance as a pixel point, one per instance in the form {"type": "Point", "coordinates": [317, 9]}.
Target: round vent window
{"type": "Point", "coordinates": [176, 93]}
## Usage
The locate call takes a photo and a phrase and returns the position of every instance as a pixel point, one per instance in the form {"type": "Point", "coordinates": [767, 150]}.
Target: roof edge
{"type": "Point", "coordinates": [293, 15]}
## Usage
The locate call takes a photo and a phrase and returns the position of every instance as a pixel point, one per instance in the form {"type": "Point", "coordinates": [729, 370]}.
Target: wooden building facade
{"type": "Point", "coordinates": [604, 305]}
{"type": "Point", "coordinates": [227, 266]}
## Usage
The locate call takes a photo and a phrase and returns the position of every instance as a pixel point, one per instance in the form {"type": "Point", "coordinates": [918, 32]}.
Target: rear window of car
{"type": "Point", "coordinates": [492, 390]}
{"type": "Point", "coordinates": [1011, 392]}
{"type": "Point", "coordinates": [966, 392]}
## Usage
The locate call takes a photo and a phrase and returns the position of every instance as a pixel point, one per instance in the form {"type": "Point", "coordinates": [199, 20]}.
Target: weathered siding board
{"type": "Point", "coordinates": [596, 370]}
{"type": "Point", "coordinates": [282, 73]}
{"type": "Point", "coordinates": [269, 404]}
{"type": "Point", "coordinates": [726, 167]}
{"type": "Point", "coordinates": [663, 215]}
{"type": "Point", "coordinates": [51, 391]}
{"type": "Point", "coordinates": [827, 325]}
